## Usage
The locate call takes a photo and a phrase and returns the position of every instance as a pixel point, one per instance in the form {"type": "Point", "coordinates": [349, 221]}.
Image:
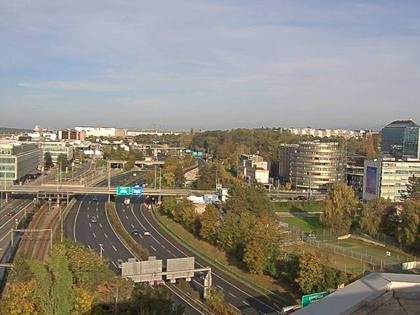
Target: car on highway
{"type": "Point", "coordinates": [147, 233]}
{"type": "Point", "coordinates": [119, 263]}
{"type": "Point", "coordinates": [135, 233]}
{"type": "Point", "coordinates": [93, 219]}
{"type": "Point", "coordinates": [95, 198]}
{"type": "Point", "coordinates": [12, 213]}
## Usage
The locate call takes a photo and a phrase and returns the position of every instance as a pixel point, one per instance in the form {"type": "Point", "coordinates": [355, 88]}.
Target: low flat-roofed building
{"type": "Point", "coordinates": [374, 294]}
{"type": "Point", "coordinates": [17, 161]}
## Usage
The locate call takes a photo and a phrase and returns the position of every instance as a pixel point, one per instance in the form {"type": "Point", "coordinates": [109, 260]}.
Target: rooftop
{"type": "Point", "coordinates": [376, 293]}
{"type": "Point", "coordinates": [402, 124]}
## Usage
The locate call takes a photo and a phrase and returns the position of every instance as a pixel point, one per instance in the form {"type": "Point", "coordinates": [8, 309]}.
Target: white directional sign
{"type": "Point", "coordinates": [142, 271]}
{"type": "Point", "coordinates": [180, 268]}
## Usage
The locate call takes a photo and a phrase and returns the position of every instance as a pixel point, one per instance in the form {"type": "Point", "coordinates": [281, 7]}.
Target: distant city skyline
{"type": "Point", "coordinates": [209, 64]}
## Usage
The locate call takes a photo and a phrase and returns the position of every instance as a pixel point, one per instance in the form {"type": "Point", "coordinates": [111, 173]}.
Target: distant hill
{"type": "Point", "coordinates": [6, 130]}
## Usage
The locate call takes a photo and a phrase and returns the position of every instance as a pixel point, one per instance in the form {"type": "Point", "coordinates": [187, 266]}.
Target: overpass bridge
{"type": "Point", "coordinates": [89, 190]}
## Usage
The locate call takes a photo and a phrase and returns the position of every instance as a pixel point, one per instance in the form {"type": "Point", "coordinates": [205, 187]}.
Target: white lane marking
{"type": "Point", "coordinates": [245, 302]}
{"type": "Point", "coordinates": [157, 241]}
{"type": "Point", "coordinates": [114, 248]}
{"type": "Point", "coordinates": [126, 217]}
{"type": "Point", "coordinates": [214, 273]}
{"type": "Point", "coordinates": [90, 225]}
{"type": "Point", "coordinates": [88, 215]}
{"type": "Point", "coordinates": [163, 246]}
{"type": "Point", "coordinates": [132, 226]}
{"type": "Point", "coordinates": [106, 235]}
{"type": "Point", "coordinates": [100, 224]}
{"type": "Point", "coordinates": [169, 251]}
{"type": "Point", "coordinates": [94, 235]}
{"type": "Point", "coordinates": [231, 294]}
{"type": "Point", "coordinates": [89, 246]}
{"type": "Point", "coordinates": [219, 287]}
{"type": "Point", "coordinates": [154, 249]}
{"type": "Point", "coordinates": [115, 265]}
{"type": "Point", "coordinates": [75, 220]}
{"type": "Point", "coordinates": [235, 307]}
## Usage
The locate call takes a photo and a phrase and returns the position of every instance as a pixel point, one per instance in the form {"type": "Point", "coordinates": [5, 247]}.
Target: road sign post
{"type": "Point", "coordinates": [137, 190]}
{"type": "Point", "coordinates": [311, 298]}
{"type": "Point", "coordinates": [123, 191]}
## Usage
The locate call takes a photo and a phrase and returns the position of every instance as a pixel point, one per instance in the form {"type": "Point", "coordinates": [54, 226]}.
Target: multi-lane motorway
{"type": "Point", "coordinates": [80, 226]}
{"type": "Point", "coordinates": [136, 217]}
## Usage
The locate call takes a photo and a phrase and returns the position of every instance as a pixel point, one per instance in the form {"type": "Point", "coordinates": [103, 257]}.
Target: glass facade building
{"type": "Point", "coordinates": [400, 139]}
{"type": "Point", "coordinates": [17, 161]}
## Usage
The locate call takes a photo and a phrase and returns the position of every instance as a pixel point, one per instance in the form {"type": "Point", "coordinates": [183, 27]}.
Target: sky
{"type": "Point", "coordinates": [179, 64]}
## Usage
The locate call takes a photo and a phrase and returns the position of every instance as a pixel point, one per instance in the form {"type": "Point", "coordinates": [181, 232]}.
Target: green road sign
{"type": "Point", "coordinates": [311, 298]}
{"type": "Point", "coordinates": [123, 191]}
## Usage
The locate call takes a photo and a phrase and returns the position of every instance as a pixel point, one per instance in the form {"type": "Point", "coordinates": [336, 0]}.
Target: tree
{"type": "Point", "coordinates": [340, 208]}
{"type": "Point", "coordinates": [254, 257]}
{"type": "Point", "coordinates": [413, 189]}
{"type": "Point", "coordinates": [208, 223]}
{"type": "Point", "coordinates": [408, 231]}
{"type": "Point", "coordinates": [310, 273]}
{"type": "Point", "coordinates": [47, 160]}
{"type": "Point", "coordinates": [62, 161]}
{"type": "Point", "coordinates": [371, 216]}
{"type": "Point", "coordinates": [156, 301]}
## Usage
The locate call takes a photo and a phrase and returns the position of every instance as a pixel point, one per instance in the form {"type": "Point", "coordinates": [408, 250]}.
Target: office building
{"type": "Point", "coordinates": [317, 165]}
{"type": "Point", "coordinates": [103, 132]}
{"type": "Point", "coordinates": [388, 177]}
{"type": "Point", "coordinates": [286, 154]}
{"type": "Point", "coordinates": [17, 161]}
{"type": "Point", "coordinates": [327, 133]}
{"type": "Point", "coordinates": [57, 148]}
{"type": "Point", "coordinates": [253, 168]}
{"type": "Point", "coordinates": [400, 139]}
{"type": "Point", "coordinates": [71, 134]}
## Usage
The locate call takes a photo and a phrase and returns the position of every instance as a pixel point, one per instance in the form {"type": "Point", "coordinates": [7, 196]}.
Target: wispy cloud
{"type": "Point", "coordinates": [272, 62]}
{"type": "Point", "coordinates": [73, 86]}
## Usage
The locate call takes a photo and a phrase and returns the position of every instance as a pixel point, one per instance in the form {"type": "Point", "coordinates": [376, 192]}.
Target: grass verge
{"type": "Point", "coordinates": [298, 206]}
{"type": "Point", "coordinates": [306, 224]}
{"type": "Point", "coordinates": [265, 285]}
{"type": "Point", "coordinates": [130, 242]}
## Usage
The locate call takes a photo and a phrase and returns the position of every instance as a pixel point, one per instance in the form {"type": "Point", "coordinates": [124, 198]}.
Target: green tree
{"type": "Point", "coordinates": [371, 216]}
{"type": "Point", "coordinates": [413, 189]}
{"type": "Point", "coordinates": [310, 273]}
{"type": "Point", "coordinates": [408, 231]}
{"type": "Point", "coordinates": [47, 160]}
{"type": "Point", "coordinates": [254, 257]}
{"type": "Point", "coordinates": [340, 208]}
{"type": "Point", "coordinates": [62, 161]}
{"type": "Point", "coordinates": [153, 301]}
{"type": "Point", "coordinates": [208, 223]}
{"type": "Point", "coordinates": [62, 295]}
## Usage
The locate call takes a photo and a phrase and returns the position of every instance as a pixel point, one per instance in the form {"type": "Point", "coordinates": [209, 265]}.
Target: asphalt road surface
{"type": "Point", "coordinates": [80, 228]}
{"type": "Point", "coordinates": [136, 217]}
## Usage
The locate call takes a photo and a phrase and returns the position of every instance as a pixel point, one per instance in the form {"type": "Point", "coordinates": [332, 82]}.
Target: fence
{"type": "Point", "coordinates": [370, 252]}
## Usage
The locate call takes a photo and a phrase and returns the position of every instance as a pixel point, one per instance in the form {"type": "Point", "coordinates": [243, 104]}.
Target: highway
{"type": "Point", "coordinates": [136, 217]}
{"type": "Point", "coordinates": [79, 227]}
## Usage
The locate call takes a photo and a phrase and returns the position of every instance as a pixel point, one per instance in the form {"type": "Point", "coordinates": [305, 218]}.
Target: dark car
{"type": "Point", "coordinates": [135, 233]}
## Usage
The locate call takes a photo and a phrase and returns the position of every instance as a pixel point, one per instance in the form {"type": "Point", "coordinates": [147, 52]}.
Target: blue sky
{"type": "Point", "coordinates": [209, 64]}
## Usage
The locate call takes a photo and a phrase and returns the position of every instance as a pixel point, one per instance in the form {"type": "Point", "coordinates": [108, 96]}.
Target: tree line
{"type": "Point", "coordinates": [76, 281]}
